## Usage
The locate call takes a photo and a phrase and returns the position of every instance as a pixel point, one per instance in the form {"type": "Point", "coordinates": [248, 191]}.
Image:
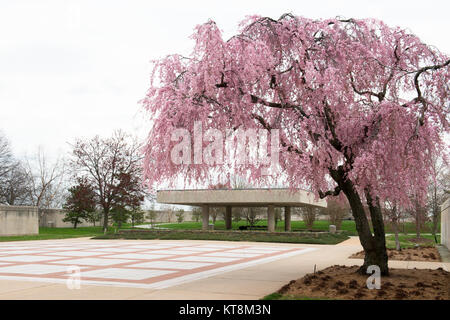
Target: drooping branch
{"type": "Point", "coordinates": [289, 148]}
{"type": "Point", "coordinates": [419, 97]}
{"type": "Point", "coordinates": [259, 100]}
{"type": "Point", "coordinates": [334, 192]}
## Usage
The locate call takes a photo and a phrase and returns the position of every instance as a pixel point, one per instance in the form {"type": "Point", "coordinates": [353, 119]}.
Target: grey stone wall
{"type": "Point", "coordinates": [54, 218]}
{"type": "Point", "coordinates": [18, 220]}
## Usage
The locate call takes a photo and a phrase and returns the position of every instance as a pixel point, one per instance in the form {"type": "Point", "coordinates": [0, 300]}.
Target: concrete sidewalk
{"type": "Point", "coordinates": [248, 283]}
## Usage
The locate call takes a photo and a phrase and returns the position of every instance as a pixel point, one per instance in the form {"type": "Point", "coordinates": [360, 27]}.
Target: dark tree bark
{"type": "Point", "coordinates": [374, 244]}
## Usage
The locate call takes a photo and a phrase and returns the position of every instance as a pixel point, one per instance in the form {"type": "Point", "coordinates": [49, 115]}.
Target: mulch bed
{"type": "Point", "coordinates": [408, 254]}
{"type": "Point", "coordinates": [341, 282]}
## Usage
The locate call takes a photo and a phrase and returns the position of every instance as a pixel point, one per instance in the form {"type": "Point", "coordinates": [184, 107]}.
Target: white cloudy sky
{"type": "Point", "coordinates": [72, 68]}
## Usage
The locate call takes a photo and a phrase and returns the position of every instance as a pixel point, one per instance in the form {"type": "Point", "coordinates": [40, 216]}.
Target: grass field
{"type": "Point", "coordinates": [406, 243]}
{"type": "Point", "coordinates": [58, 233]}
{"type": "Point", "coordinates": [347, 225]}
{"type": "Point", "coordinates": [46, 233]}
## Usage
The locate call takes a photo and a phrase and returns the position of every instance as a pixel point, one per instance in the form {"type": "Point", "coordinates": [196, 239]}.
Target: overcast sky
{"type": "Point", "coordinates": [72, 68]}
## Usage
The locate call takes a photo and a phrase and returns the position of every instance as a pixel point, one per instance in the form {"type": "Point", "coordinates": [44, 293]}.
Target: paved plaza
{"type": "Point", "coordinates": [140, 264]}
{"type": "Point", "coordinates": [166, 269]}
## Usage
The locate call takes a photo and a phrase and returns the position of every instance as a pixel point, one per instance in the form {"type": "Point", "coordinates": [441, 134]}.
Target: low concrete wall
{"type": "Point", "coordinates": [171, 216]}
{"type": "Point", "coordinates": [54, 218]}
{"type": "Point", "coordinates": [18, 220]}
{"type": "Point", "coordinates": [445, 223]}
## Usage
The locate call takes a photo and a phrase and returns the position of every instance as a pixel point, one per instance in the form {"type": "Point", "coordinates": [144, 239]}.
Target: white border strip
{"type": "Point", "coordinates": [171, 282]}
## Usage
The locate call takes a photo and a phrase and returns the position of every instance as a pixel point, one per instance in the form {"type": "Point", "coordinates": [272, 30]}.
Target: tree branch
{"type": "Point", "coordinates": [334, 192]}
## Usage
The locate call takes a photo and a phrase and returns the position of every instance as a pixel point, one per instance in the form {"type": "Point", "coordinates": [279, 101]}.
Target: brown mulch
{"type": "Point", "coordinates": [341, 282]}
{"type": "Point", "coordinates": [408, 254]}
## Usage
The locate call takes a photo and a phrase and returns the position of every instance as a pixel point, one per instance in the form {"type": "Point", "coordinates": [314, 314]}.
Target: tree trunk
{"type": "Point", "coordinates": [397, 242]}
{"type": "Point", "coordinates": [395, 226]}
{"type": "Point", "coordinates": [417, 223]}
{"type": "Point", "coordinates": [105, 222]}
{"type": "Point", "coordinates": [374, 245]}
{"type": "Point", "coordinates": [436, 214]}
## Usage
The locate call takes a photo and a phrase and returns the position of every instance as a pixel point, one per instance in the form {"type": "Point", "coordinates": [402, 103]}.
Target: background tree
{"type": "Point", "coordinates": [336, 211]}
{"type": "Point", "coordinates": [237, 214]}
{"type": "Point", "coordinates": [170, 212]}
{"type": "Point", "coordinates": [277, 215]}
{"type": "Point", "coordinates": [216, 212]}
{"type": "Point", "coordinates": [196, 214]}
{"type": "Point", "coordinates": [80, 203]}
{"type": "Point", "coordinates": [252, 215]}
{"type": "Point", "coordinates": [309, 215]}
{"type": "Point", "coordinates": [419, 214]}
{"type": "Point", "coordinates": [152, 215]}
{"type": "Point", "coordinates": [137, 216]}
{"type": "Point", "coordinates": [361, 108]}
{"type": "Point", "coordinates": [129, 191]}
{"type": "Point", "coordinates": [6, 156]}
{"type": "Point", "coordinates": [106, 163]}
{"type": "Point", "coordinates": [394, 214]}
{"type": "Point", "coordinates": [180, 215]}
{"type": "Point", "coordinates": [46, 181]}
{"type": "Point", "coordinates": [120, 215]}
{"type": "Point", "coordinates": [129, 195]}
{"type": "Point", "coordinates": [15, 186]}
{"type": "Point", "coordinates": [94, 217]}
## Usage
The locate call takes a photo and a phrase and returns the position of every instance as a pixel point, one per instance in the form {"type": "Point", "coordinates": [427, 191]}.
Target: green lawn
{"type": "Point", "coordinates": [405, 243]}
{"type": "Point", "coordinates": [59, 233]}
{"type": "Point", "coordinates": [347, 225]}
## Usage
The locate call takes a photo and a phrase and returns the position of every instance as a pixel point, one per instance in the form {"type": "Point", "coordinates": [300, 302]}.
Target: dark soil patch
{"type": "Point", "coordinates": [408, 254]}
{"type": "Point", "coordinates": [341, 282]}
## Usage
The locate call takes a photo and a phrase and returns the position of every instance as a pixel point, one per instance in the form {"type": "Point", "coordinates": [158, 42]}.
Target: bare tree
{"type": "Point", "coordinates": [152, 214]}
{"type": "Point", "coordinates": [102, 161]}
{"type": "Point", "coordinates": [46, 181]}
{"type": "Point", "coordinates": [216, 212]}
{"type": "Point", "coordinates": [309, 215]}
{"type": "Point", "coordinates": [237, 182]}
{"type": "Point", "coordinates": [14, 186]}
{"type": "Point", "coordinates": [419, 213]}
{"type": "Point", "coordinates": [170, 212]}
{"type": "Point", "coordinates": [252, 215]}
{"type": "Point", "coordinates": [394, 214]}
{"type": "Point", "coordinates": [6, 156]}
{"type": "Point", "coordinates": [336, 211]}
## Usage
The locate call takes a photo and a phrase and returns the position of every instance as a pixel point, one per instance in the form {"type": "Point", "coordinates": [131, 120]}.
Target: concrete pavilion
{"type": "Point", "coordinates": [229, 198]}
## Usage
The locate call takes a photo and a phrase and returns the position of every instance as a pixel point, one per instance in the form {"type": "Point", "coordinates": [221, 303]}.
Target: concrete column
{"type": "Point", "coordinates": [270, 219]}
{"type": "Point", "coordinates": [287, 218]}
{"type": "Point", "coordinates": [228, 218]}
{"type": "Point", "coordinates": [205, 215]}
